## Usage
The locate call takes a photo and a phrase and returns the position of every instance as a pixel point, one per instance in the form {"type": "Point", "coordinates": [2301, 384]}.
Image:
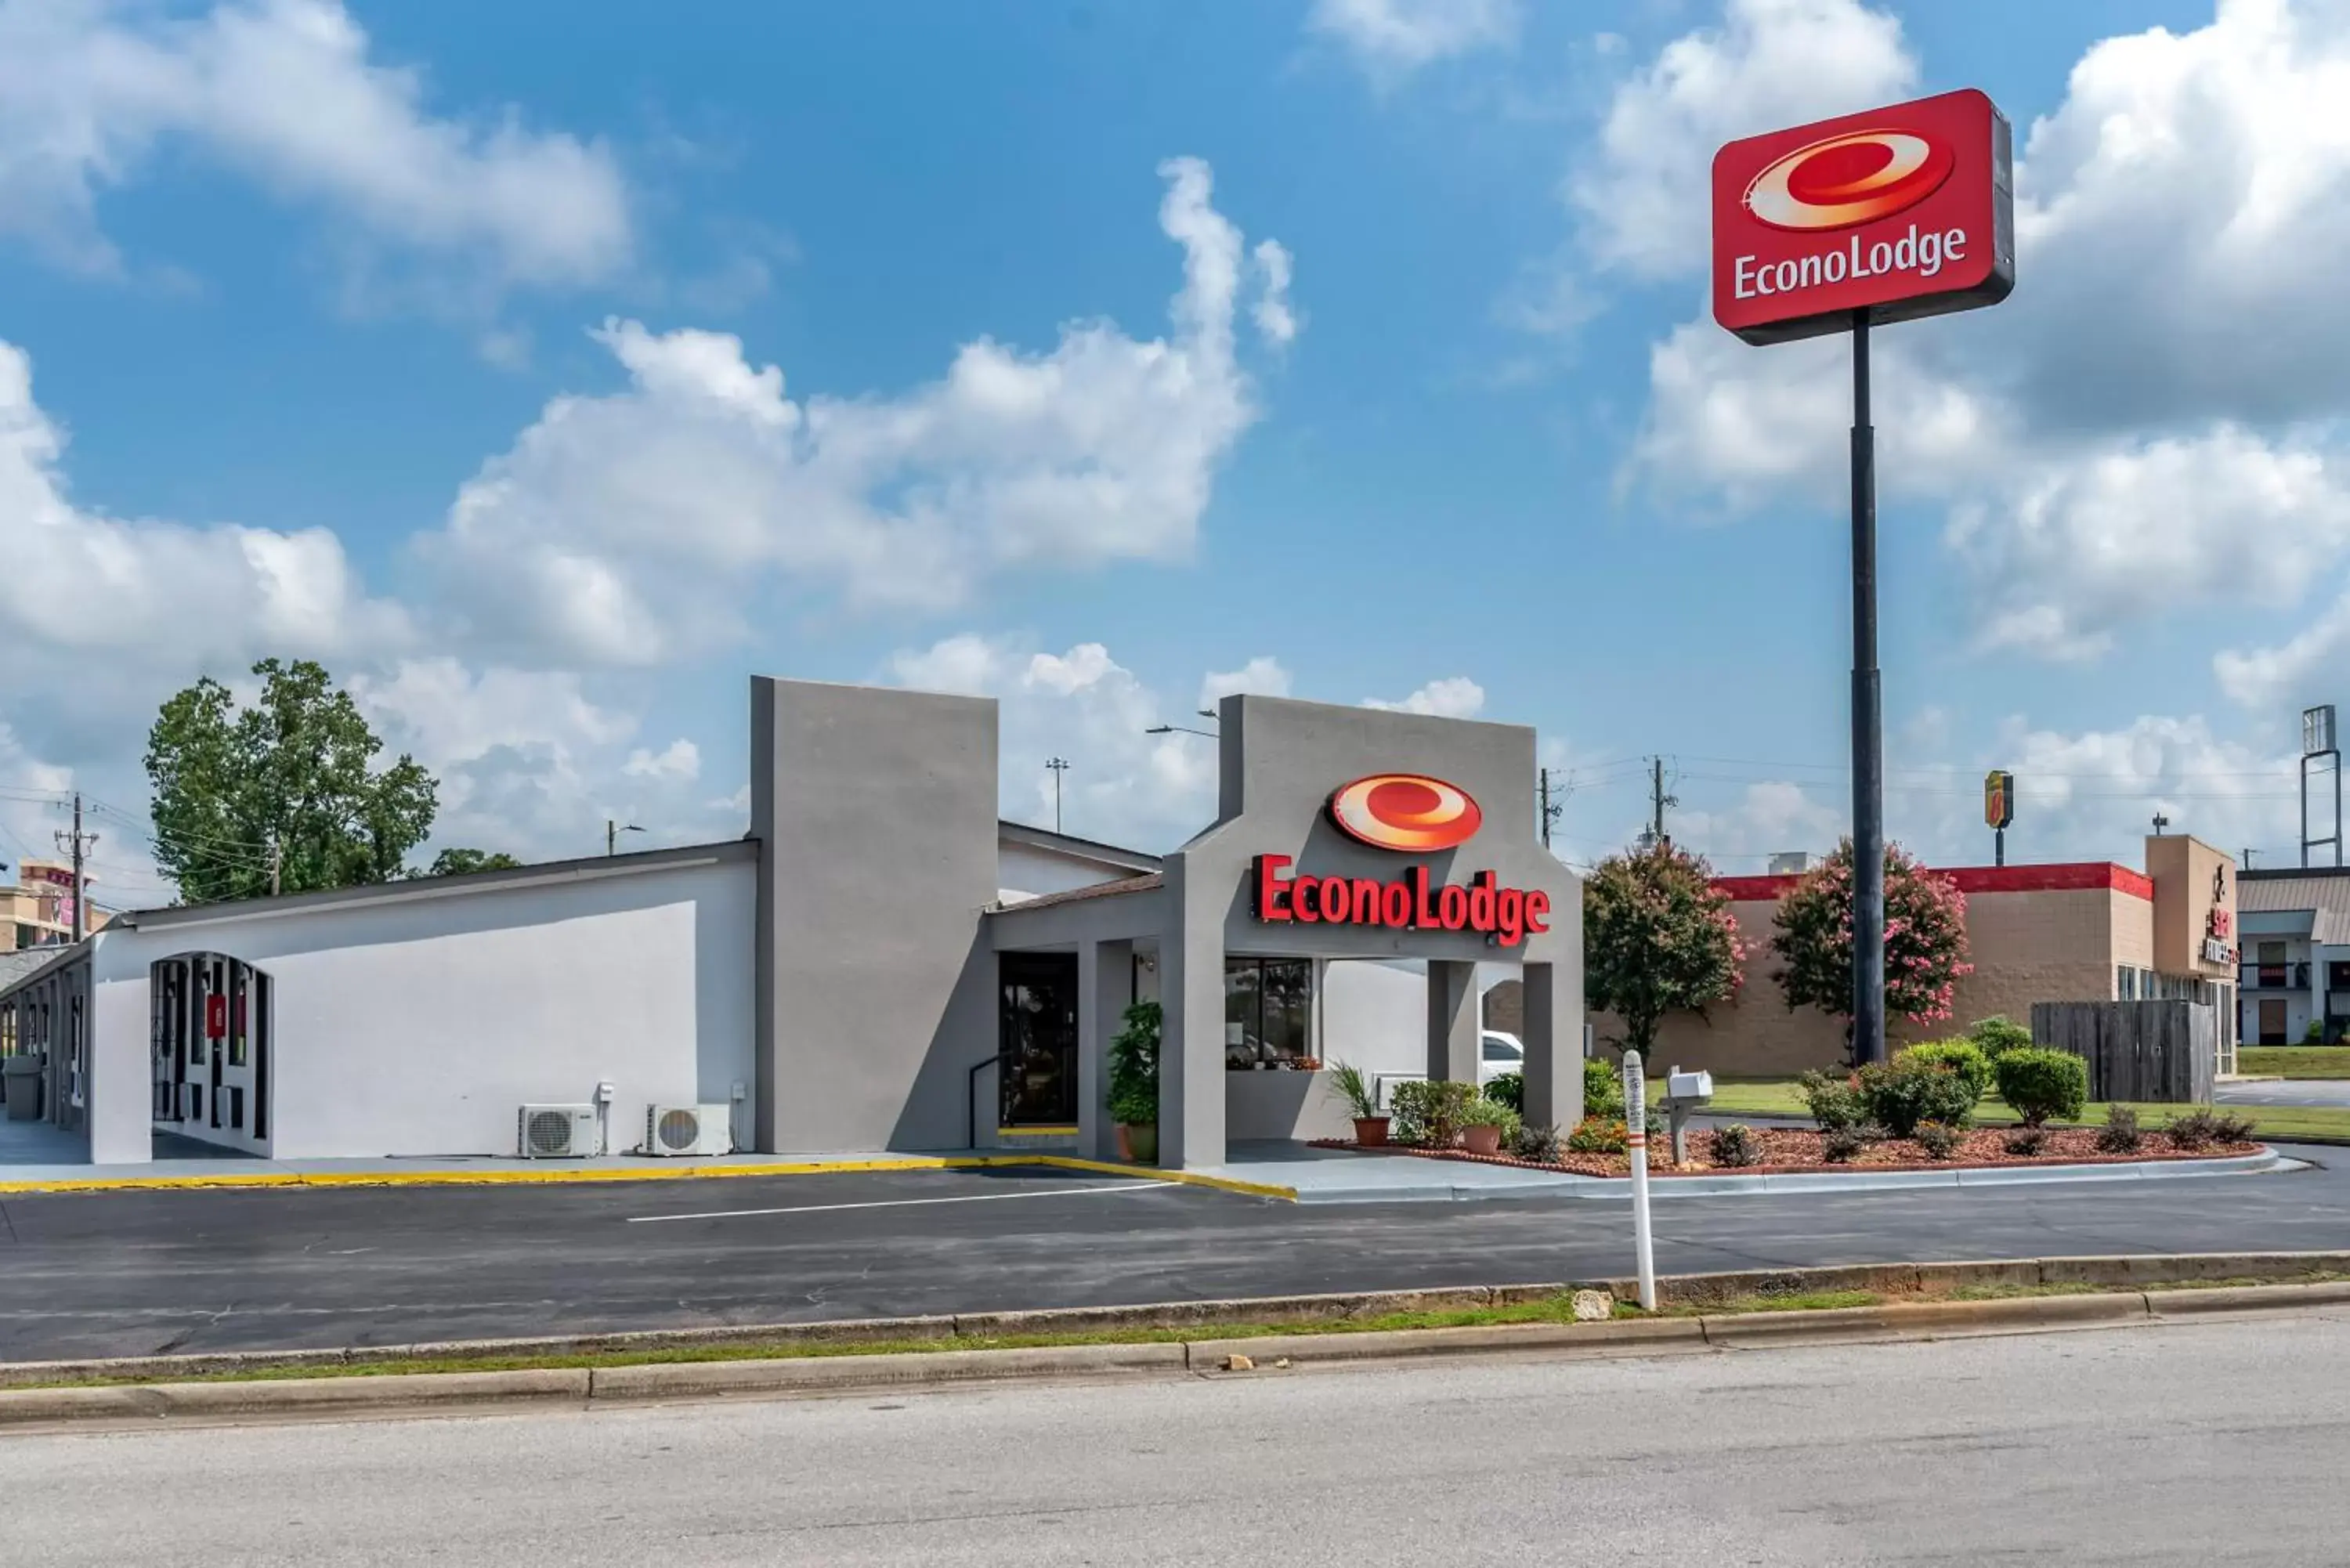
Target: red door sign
{"type": "Point", "coordinates": [216, 1017]}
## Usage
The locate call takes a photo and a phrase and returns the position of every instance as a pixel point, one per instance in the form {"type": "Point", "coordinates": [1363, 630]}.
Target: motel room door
{"type": "Point", "coordinates": [1037, 1043]}
{"type": "Point", "coordinates": [2271, 1022]}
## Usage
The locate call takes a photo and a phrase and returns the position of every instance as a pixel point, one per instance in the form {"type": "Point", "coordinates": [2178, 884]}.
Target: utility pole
{"type": "Point", "coordinates": [1552, 810]}
{"type": "Point", "coordinates": [77, 844]}
{"type": "Point", "coordinates": [1059, 766]}
{"type": "Point", "coordinates": [1657, 800]}
{"type": "Point", "coordinates": [277, 866]}
{"type": "Point", "coordinates": [2247, 859]}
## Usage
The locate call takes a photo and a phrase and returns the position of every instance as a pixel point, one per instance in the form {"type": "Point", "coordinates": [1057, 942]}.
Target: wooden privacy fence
{"type": "Point", "coordinates": [2160, 1051]}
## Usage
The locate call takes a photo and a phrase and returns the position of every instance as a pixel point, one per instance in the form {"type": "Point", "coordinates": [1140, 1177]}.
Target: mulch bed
{"type": "Point", "coordinates": [1785, 1151]}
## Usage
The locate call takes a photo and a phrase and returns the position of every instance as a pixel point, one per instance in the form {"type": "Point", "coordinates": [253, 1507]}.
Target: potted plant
{"type": "Point", "coordinates": [1483, 1122]}
{"type": "Point", "coordinates": [1362, 1099]}
{"type": "Point", "coordinates": [1133, 1083]}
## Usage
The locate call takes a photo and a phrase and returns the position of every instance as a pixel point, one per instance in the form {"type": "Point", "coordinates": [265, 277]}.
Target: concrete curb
{"type": "Point", "coordinates": [814, 1376]}
{"type": "Point", "coordinates": [1205, 1316]}
{"type": "Point", "coordinates": [557, 1175]}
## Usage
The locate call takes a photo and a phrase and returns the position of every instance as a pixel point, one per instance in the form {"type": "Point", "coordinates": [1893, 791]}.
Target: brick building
{"type": "Point", "coordinates": [2086, 931]}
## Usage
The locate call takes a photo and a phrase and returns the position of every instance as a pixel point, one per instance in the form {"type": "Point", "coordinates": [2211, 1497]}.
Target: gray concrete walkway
{"type": "Point", "coordinates": [2286, 1092]}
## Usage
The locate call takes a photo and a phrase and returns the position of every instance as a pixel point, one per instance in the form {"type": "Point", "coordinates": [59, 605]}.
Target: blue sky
{"type": "Point", "coordinates": [547, 374]}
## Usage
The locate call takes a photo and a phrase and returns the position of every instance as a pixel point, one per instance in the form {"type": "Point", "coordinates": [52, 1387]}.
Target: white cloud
{"type": "Point", "coordinates": [2302, 672]}
{"type": "Point", "coordinates": [1768, 817]}
{"type": "Point", "coordinates": [1641, 197]}
{"type": "Point", "coordinates": [1260, 677]}
{"type": "Point", "coordinates": [1272, 313]}
{"type": "Point", "coordinates": [633, 527]}
{"type": "Point", "coordinates": [680, 759]}
{"type": "Point", "coordinates": [1124, 787]}
{"type": "Point", "coordinates": [1392, 36]}
{"type": "Point", "coordinates": [287, 93]}
{"type": "Point", "coordinates": [86, 586]}
{"type": "Point", "coordinates": [1456, 697]}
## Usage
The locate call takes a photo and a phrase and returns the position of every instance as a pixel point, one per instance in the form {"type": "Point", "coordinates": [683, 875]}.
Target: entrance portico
{"type": "Point", "coordinates": [1282, 876]}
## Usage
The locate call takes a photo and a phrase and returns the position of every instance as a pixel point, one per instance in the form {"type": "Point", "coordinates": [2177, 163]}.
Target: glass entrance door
{"type": "Point", "coordinates": [1037, 1068]}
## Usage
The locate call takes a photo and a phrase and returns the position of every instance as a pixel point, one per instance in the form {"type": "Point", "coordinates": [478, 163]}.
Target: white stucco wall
{"type": "Point", "coordinates": [418, 1025]}
{"type": "Point", "coordinates": [1024, 871]}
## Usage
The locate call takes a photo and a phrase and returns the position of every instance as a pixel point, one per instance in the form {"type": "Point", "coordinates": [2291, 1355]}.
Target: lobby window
{"type": "Point", "coordinates": [1268, 1010]}
{"type": "Point", "coordinates": [2126, 983]}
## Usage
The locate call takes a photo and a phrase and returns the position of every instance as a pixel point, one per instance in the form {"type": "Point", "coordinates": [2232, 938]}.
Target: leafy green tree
{"type": "Point", "coordinates": [1925, 939]}
{"type": "Point", "coordinates": [286, 786]}
{"type": "Point", "coordinates": [457, 862]}
{"type": "Point", "coordinates": [1657, 938]}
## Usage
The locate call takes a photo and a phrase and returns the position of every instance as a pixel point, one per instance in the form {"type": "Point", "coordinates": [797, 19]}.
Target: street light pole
{"type": "Point", "coordinates": [1059, 766]}
{"type": "Point", "coordinates": [1868, 728]}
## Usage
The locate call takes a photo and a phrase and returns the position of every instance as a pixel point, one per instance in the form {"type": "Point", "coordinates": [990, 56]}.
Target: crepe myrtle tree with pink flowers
{"type": "Point", "coordinates": [1657, 938]}
{"type": "Point", "coordinates": [1925, 939]}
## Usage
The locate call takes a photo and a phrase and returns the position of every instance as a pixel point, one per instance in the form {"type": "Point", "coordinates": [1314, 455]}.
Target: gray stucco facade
{"type": "Point", "coordinates": [875, 987]}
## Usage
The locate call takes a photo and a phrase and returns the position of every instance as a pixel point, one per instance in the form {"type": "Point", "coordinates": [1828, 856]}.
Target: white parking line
{"type": "Point", "coordinates": [895, 1203]}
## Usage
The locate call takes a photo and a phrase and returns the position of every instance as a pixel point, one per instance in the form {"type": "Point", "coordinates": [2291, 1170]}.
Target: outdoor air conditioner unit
{"type": "Point", "coordinates": [557, 1132]}
{"type": "Point", "coordinates": [689, 1129]}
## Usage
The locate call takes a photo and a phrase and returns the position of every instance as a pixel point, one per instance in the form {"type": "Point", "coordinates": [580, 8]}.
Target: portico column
{"type": "Point", "coordinates": [1192, 1050]}
{"type": "Point", "coordinates": [1554, 1066]}
{"type": "Point", "coordinates": [1104, 976]}
{"type": "Point", "coordinates": [1453, 1025]}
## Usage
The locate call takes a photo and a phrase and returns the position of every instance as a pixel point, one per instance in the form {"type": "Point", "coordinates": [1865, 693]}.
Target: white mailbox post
{"type": "Point", "coordinates": [1635, 1129]}
{"type": "Point", "coordinates": [1685, 1093]}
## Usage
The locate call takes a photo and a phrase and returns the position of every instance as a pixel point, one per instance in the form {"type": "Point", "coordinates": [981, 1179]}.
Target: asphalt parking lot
{"type": "Point", "coordinates": [121, 1273]}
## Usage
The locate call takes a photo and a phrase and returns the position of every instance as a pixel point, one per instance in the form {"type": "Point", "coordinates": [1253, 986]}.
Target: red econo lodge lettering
{"type": "Point", "coordinates": [1900, 212]}
{"type": "Point", "coordinates": [1508, 915]}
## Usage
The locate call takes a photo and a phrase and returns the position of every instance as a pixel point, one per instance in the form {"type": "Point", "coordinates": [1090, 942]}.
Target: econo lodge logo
{"type": "Point", "coordinates": [1856, 178]}
{"type": "Point", "coordinates": [1407, 812]}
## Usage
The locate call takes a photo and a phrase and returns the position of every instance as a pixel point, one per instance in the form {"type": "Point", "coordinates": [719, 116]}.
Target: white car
{"type": "Point", "coordinates": [1498, 1053]}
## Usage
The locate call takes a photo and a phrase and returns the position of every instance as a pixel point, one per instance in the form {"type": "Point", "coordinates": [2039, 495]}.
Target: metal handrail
{"type": "Point", "coordinates": [971, 1093]}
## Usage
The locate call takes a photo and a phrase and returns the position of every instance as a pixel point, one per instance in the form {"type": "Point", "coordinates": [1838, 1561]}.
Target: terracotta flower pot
{"type": "Point", "coordinates": [1482, 1140]}
{"type": "Point", "coordinates": [1138, 1144]}
{"type": "Point", "coordinates": [1371, 1132]}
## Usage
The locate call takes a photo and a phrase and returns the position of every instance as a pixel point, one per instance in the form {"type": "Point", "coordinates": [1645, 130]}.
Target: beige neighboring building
{"type": "Point", "coordinates": [2086, 931]}
{"type": "Point", "coordinates": [36, 910]}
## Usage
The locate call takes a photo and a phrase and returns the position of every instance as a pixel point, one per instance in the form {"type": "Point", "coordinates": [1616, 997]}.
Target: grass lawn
{"type": "Point", "coordinates": [2294, 1061]}
{"type": "Point", "coordinates": [1778, 1096]}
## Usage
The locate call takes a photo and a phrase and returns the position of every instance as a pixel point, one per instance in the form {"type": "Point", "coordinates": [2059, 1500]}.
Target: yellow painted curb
{"type": "Point", "coordinates": [234, 1180]}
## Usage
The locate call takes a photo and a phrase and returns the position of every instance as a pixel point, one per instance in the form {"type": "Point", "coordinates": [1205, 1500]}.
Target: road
{"type": "Point", "coordinates": [155, 1272]}
{"type": "Point", "coordinates": [2214, 1442]}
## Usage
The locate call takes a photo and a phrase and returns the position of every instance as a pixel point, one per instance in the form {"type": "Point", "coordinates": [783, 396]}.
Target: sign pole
{"type": "Point", "coordinates": [1868, 728]}
{"type": "Point", "coordinates": [1636, 1143]}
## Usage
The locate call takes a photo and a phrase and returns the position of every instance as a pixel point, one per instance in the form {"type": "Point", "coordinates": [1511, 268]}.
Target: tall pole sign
{"type": "Point", "coordinates": [1838, 226]}
{"type": "Point", "coordinates": [1999, 810]}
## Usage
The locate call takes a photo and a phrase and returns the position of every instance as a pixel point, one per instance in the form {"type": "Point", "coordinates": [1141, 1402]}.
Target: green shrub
{"type": "Point", "coordinates": [1599, 1134]}
{"type": "Point", "coordinates": [1482, 1113]}
{"type": "Point", "coordinates": [1354, 1086]}
{"type": "Point", "coordinates": [1603, 1089]}
{"type": "Point", "coordinates": [1939, 1139]}
{"type": "Point", "coordinates": [2314, 1035]}
{"type": "Point", "coordinates": [2203, 1127]}
{"type": "Point", "coordinates": [2030, 1140]}
{"type": "Point", "coordinates": [1733, 1146]}
{"type": "Point", "coordinates": [1835, 1100]}
{"type": "Point", "coordinates": [1995, 1034]}
{"type": "Point", "coordinates": [1839, 1144]}
{"type": "Point", "coordinates": [1536, 1143]}
{"type": "Point", "coordinates": [1964, 1057]}
{"type": "Point", "coordinates": [1901, 1094]}
{"type": "Point", "coordinates": [1428, 1112]}
{"type": "Point", "coordinates": [2120, 1134]}
{"type": "Point", "coordinates": [1134, 1068]}
{"type": "Point", "coordinates": [2038, 1085]}
{"type": "Point", "coordinates": [1508, 1089]}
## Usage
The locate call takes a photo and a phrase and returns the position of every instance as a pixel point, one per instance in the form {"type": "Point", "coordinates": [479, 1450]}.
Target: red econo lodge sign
{"type": "Point", "coordinates": [1407, 813]}
{"type": "Point", "coordinates": [1900, 212]}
